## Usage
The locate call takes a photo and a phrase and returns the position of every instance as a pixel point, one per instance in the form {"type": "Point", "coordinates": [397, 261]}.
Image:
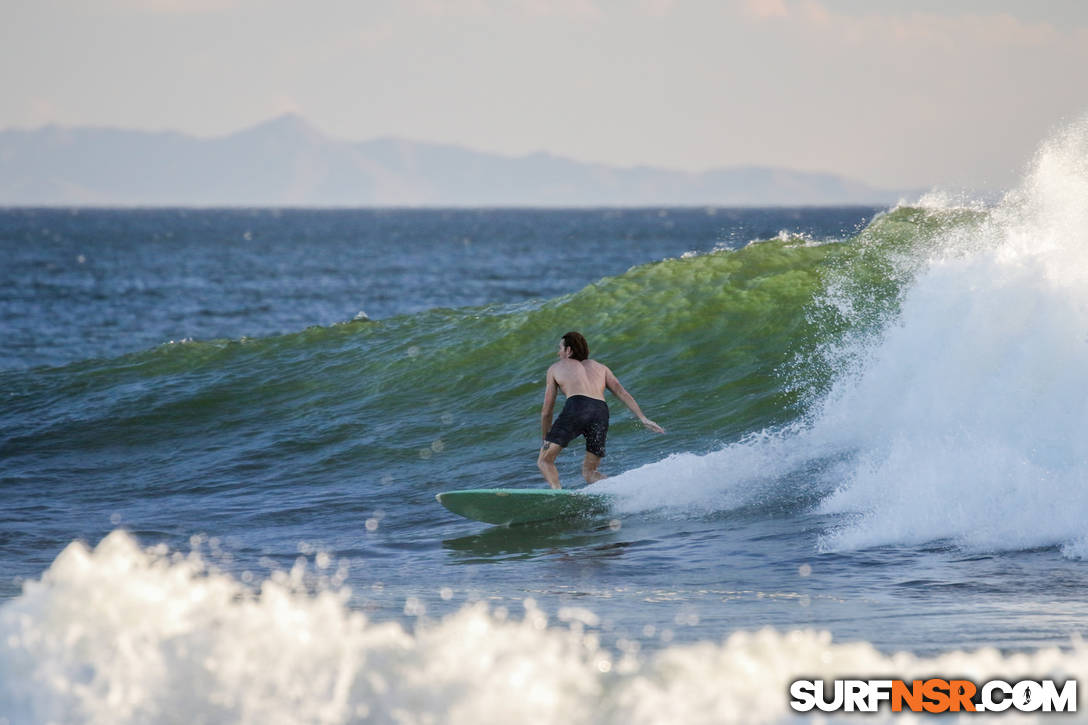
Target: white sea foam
{"type": "Point", "coordinates": [125, 635]}
{"type": "Point", "coordinates": [1076, 549]}
{"type": "Point", "coordinates": [965, 419]}
{"type": "Point", "coordinates": [944, 199]}
{"type": "Point", "coordinates": [970, 411]}
{"type": "Point", "coordinates": [747, 473]}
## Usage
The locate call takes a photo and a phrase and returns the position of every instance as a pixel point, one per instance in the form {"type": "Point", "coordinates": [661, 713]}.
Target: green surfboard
{"type": "Point", "coordinates": [506, 506]}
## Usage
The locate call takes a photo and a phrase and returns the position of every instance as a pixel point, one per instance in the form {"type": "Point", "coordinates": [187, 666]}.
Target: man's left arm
{"type": "Point", "coordinates": [613, 384]}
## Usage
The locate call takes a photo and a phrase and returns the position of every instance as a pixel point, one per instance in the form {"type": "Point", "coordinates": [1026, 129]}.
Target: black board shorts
{"type": "Point", "coordinates": [581, 416]}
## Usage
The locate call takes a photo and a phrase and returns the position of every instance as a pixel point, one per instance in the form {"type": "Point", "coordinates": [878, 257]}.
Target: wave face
{"type": "Point", "coordinates": [121, 634]}
{"type": "Point", "coordinates": [704, 336]}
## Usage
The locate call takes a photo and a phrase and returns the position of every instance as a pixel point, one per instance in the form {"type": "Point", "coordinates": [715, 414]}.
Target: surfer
{"type": "Point", "coordinates": [583, 381]}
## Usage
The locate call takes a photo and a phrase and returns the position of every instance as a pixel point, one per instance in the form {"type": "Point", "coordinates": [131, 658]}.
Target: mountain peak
{"type": "Point", "coordinates": [285, 126]}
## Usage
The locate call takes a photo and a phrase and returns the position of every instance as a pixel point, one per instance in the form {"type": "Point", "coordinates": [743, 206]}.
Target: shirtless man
{"type": "Point", "coordinates": [583, 381]}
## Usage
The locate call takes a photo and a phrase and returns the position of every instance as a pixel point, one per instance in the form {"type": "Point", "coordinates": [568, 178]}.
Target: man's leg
{"type": "Point", "coordinates": [546, 463]}
{"type": "Point", "coordinates": [589, 468]}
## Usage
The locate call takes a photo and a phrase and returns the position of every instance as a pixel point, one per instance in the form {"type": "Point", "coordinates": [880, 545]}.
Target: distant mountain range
{"type": "Point", "coordinates": [287, 162]}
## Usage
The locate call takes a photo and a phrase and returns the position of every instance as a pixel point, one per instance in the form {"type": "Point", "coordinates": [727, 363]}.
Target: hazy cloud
{"type": "Point", "coordinates": [767, 8]}
{"type": "Point", "coordinates": [569, 9]}
{"type": "Point", "coordinates": [177, 7]}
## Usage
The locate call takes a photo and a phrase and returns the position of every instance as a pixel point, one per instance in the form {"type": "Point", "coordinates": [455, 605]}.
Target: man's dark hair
{"type": "Point", "coordinates": [579, 348]}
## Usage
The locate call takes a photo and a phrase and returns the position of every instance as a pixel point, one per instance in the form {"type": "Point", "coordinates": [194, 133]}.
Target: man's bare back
{"type": "Point", "coordinates": [580, 377]}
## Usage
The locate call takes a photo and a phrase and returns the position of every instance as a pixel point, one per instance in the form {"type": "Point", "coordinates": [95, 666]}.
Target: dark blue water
{"type": "Point", "coordinates": [83, 284]}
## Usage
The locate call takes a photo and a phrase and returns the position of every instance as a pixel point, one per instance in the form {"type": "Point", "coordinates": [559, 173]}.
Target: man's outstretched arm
{"type": "Point", "coordinates": [613, 384]}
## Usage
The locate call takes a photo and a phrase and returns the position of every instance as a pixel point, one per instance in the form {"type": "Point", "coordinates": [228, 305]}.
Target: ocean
{"type": "Point", "coordinates": [222, 433]}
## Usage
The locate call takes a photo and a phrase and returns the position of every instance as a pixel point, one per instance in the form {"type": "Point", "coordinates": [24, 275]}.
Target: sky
{"type": "Point", "coordinates": [900, 94]}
